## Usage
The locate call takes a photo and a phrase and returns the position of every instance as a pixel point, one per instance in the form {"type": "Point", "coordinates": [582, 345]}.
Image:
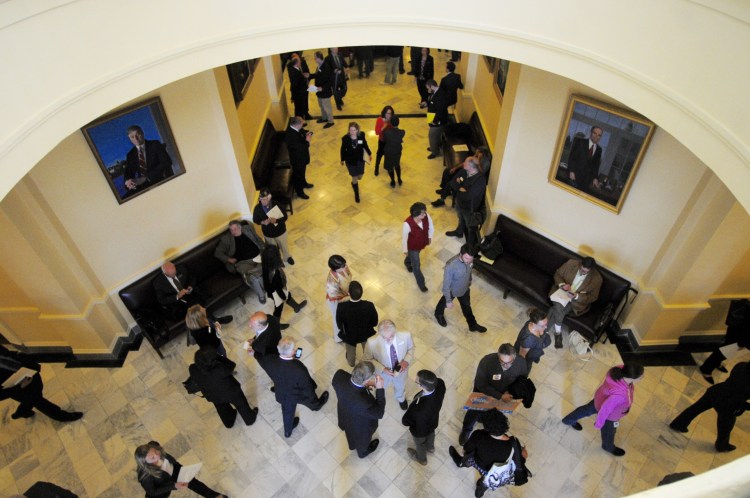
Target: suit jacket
{"type": "Point", "coordinates": [423, 413]}
{"type": "Point", "coordinates": [158, 162]}
{"type": "Point", "coordinates": [165, 293]}
{"type": "Point", "coordinates": [226, 247]}
{"type": "Point", "coordinates": [298, 83]}
{"type": "Point", "coordinates": [429, 68]}
{"type": "Point", "coordinates": [393, 141]}
{"type": "Point", "coordinates": [324, 80]}
{"type": "Point", "coordinates": [265, 344]}
{"type": "Point", "coordinates": [473, 198]}
{"type": "Point", "coordinates": [732, 394]}
{"type": "Point", "coordinates": [358, 410]}
{"type": "Point", "coordinates": [299, 148]}
{"type": "Point", "coordinates": [437, 102]}
{"type": "Point", "coordinates": [354, 155]}
{"type": "Point", "coordinates": [10, 363]}
{"type": "Point", "coordinates": [218, 385]}
{"type": "Point", "coordinates": [291, 379]}
{"type": "Point", "coordinates": [356, 321]}
{"type": "Point", "coordinates": [376, 349]}
{"type": "Point", "coordinates": [451, 83]}
{"type": "Point", "coordinates": [588, 292]}
{"type": "Point", "coordinates": [585, 168]}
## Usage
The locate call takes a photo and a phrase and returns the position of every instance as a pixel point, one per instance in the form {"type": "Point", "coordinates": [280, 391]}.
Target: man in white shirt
{"type": "Point", "coordinates": [417, 233]}
{"type": "Point", "coordinates": [395, 352]}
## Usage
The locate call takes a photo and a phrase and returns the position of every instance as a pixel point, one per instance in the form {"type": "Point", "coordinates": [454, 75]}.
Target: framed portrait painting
{"type": "Point", "coordinates": [599, 150]}
{"type": "Point", "coordinates": [135, 149]}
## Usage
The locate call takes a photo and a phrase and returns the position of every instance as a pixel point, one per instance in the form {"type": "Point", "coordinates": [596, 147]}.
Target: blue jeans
{"type": "Point", "coordinates": [608, 430]}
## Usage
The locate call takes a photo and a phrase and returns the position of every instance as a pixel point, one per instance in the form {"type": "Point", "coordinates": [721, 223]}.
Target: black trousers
{"type": "Point", "coordinates": [228, 411]}
{"type": "Point", "coordinates": [31, 397]}
{"type": "Point", "coordinates": [301, 106]}
{"type": "Point", "coordinates": [465, 302]}
{"type": "Point", "coordinates": [724, 422]}
{"type": "Point", "coordinates": [298, 178]}
{"type": "Point", "coordinates": [289, 407]}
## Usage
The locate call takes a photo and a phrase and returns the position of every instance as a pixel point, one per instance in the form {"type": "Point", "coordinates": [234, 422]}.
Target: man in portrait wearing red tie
{"type": "Point", "coordinates": [584, 160]}
{"type": "Point", "coordinates": [395, 352]}
{"type": "Point", "coordinates": [147, 162]}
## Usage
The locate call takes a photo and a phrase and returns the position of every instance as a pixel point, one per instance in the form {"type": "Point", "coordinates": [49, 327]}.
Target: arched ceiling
{"type": "Point", "coordinates": [680, 63]}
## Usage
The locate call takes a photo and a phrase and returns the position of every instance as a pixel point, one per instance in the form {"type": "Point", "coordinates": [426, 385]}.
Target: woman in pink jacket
{"type": "Point", "coordinates": [611, 402]}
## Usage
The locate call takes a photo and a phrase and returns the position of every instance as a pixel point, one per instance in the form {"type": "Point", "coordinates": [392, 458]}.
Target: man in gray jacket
{"type": "Point", "coordinates": [456, 283]}
{"type": "Point", "coordinates": [240, 251]}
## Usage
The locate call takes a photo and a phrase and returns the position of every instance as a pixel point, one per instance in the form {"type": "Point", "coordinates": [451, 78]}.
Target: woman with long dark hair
{"type": "Point", "coordinates": [611, 402]}
{"type": "Point", "coordinates": [382, 124]}
{"type": "Point", "coordinates": [353, 147]}
{"type": "Point", "coordinates": [274, 281]}
{"type": "Point", "coordinates": [158, 472]}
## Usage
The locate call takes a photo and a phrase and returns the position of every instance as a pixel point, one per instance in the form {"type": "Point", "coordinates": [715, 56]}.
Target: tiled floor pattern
{"type": "Point", "coordinates": [144, 399]}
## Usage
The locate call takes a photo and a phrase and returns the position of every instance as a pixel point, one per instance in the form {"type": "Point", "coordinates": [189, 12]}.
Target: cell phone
{"type": "Point", "coordinates": [298, 353]}
{"type": "Point", "coordinates": [397, 368]}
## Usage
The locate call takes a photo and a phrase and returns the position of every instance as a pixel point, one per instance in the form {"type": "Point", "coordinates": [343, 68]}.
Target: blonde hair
{"type": "Point", "coordinates": [196, 317]}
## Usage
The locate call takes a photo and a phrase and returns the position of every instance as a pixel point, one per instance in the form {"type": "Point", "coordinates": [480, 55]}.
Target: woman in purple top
{"type": "Point", "coordinates": [611, 402]}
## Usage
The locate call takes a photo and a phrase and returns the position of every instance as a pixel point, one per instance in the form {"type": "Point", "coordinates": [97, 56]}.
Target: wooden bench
{"type": "Point", "coordinates": [271, 167]}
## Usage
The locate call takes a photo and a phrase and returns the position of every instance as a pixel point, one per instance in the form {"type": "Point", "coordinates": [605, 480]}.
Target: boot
{"type": "Point", "coordinates": [355, 187]}
{"type": "Point", "coordinates": [398, 174]}
{"type": "Point", "coordinates": [377, 166]}
{"type": "Point", "coordinates": [295, 305]}
{"type": "Point", "coordinates": [393, 179]}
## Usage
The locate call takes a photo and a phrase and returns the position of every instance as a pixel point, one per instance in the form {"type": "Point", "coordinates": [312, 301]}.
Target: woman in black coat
{"type": "Point", "coordinates": [353, 147]}
{"type": "Point", "coordinates": [205, 332]}
{"type": "Point", "coordinates": [214, 375]}
{"type": "Point", "coordinates": [158, 472]}
{"type": "Point", "coordinates": [274, 281]}
{"type": "Point", "coordinates": [424, 71]}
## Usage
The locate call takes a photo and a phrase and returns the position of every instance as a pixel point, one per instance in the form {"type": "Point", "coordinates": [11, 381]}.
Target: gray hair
{"type": "Point", "coordinates": [362, 372]}
{"type": "Point", "coordinates": [386, 325]}
{"type": "Point", "coordinates": [286, 346]}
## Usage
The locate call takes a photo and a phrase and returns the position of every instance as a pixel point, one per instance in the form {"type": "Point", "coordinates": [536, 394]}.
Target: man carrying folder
{"type": "Point", "coordinates": [20, 380]}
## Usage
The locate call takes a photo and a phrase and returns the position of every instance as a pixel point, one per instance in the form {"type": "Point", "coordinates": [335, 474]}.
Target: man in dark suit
{"type": "Point", "coordinates": [324, 81]}
{"type": "Point", "coordinates": [28, 392]}
{"type": "Point", "coordinates": [423, 415]}
{"type": "Point", "coordinates": [358, 410]}
{"type": "Point", "coordinates": [176, 292]}
{"type": "Point", "coordinates": [293, 384]}
{"type": "Point", "coordinates": [240, 251]}
{"type": "Point", "coordinates": [298, 144]}
{"type": "Point", "coordinates": [356, 320]}
{"type": "Point", "coordinates": [338, 84]}
{"type": "Point", "coordinates": [437, 106]}
{"type": "Point", "coordinates": [147, 162]}
{"type": "Point", "coordinates": [451, 83]}
{"type": "Point", "coordinates": [266, 336]}
{"type": "Point", "coordinates": [584, 160]}
{"type": "Point", "coordinates": [470, 191]}
{"type": "Point", "coordinates": [298, 79]}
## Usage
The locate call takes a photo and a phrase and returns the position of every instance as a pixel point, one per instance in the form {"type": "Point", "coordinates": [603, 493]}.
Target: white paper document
{"type": "Point", "coordinates": [461, 148]}
{"type": "Point", "coordinates": [188, 472]}
{"type": "Point", "coordinates": [275, 213]}
{"type": "Point", "coordinates": [312, 89]}
{"type": "Point", "coordinates": [730, 350]}
{"type": "Point", "coordinates": [560, 296]}
{"type": "Point", "coordinates": [17, 377]}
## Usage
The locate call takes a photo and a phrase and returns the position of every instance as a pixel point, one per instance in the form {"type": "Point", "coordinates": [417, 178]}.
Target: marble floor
{"type": "Point", "coordinates": [144, 399]}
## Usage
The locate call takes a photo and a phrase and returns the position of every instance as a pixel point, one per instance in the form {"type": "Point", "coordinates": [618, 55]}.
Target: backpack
{"type": "Point", "coordinates": [491, 247]}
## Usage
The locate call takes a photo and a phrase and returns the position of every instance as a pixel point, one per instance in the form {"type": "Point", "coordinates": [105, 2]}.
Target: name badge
{"type": "Point", "coordinates": [359, 142]}
{"type": "Point", "coordinates": [497, 376]}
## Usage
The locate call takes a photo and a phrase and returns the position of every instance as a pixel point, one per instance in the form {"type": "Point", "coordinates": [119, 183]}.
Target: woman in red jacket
{"type": "Point", "coordinates": [382, 124]}
{"type": "Point", "coordinates": [611, 402]}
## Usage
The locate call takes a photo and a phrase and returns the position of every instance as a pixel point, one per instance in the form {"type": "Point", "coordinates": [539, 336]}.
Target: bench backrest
{"type": "Point", "coordinates": [263, 160]}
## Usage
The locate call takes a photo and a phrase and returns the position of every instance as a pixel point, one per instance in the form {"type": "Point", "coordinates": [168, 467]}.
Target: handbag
{"type": "Point", "coordinates": [579, 346]}
{"type": "Point", "coordinates": [501, 473]}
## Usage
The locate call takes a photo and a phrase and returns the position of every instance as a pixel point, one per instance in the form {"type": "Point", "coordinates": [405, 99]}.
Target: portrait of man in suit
{"type": "Point", "coordinates": [147, 162]}
{"type": "Point", "coordinates": [584, 160]}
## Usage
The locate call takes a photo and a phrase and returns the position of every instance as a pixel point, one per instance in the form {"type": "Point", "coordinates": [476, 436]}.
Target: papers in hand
{"type": "Point", "coordinates": [18, 377]}
{"type": "Point", "coordinates": [484, 402]}
{"type": "Point", "coordinates": [729, 351]}
{"type": "Point", "coordinates": [461, 148]}
{"type": "Point", "coordinates": [188, 472]}
{"type": "Point", "coordinates": [560, 296]}
{"type": "Point", "coordinates": [312, 89]}
{"type": "Point", "coordinates": [275, 213]}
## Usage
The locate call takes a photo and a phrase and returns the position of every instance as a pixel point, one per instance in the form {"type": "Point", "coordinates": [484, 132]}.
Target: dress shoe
{"type": "Point", "coordinates": [708, 378]}
{"type": "Point", "coordinates": [722, 369]}
{"type": "Point", "coordinates": [340, 108]}
{"type": "Point", "coordinates": [677, 428]}
{"type": "Point", "coordinates": [413, 454]}
{"type": "Point", "coordinates": [18, 415]}
{"type": "Point", "coordinates": [308, 117]}
{"type": "Point", "coordinates": [400, 182]}
{"type": "Point", "coordinates": [463, 437]}
{"type": "Point", "coordinates": [410, 73]}
{"type": "Point", "coordinates": [403, 404]}
{"type": "Point", "coordinates": [428, 148]}
{"type": "Point", "coordinates": [283, 326]}
{"type": "Point", "coordinates": [290, 260]}
{"type": "Point", "coordinates": [294, 424]}
{"type": "Point", "coordinates": [438, 203]}
{"type": "Point", "coordinates": [726, 449]}
{"type": "Point", "coordinates": [225, 319]}
{"type": "Point", "coordinates": [372, 446]}
{"type": "Point", "coordinates": [303, 195]}
{"type": "Point", "coordinates": [309, 185]}
{"type": "Point", "coordinates": [431, 156]}
{"type": "Point", "coordinates": [401, 71]}
{"type": "Point", "coordinates": [253, 416]}
{"type": "Point", "coordinates": [393, 184]}
{"type": "Point", "coordinates": [273, 389]}
{"type": "Point", "coordinates": [320, 121]}
{"type": "Point", "coordinates": [328, 125]}
{"type": "Point", "coordinates": [558, 341]}
{"type": "Point", "coordinates": [262, 300]}
{"type": "Point", "coordinates": [616, 451]}
{"type": "Point", "coordinates": [423, 288]}
{"type": "Point", "coordinates": [71, 416]}
{"type": "Point", "coordinates": [441, 320]}
{"type": "Point", "coordinates": [477, 328]}
{"type": "Point", "coordinates": [574, 425]}
{"type": "Point", "coordinates": [454, 233]}
{"type": "Point", "coordinates": [322, 400]}
{"type": "Point", "coordinates": [457, 459]}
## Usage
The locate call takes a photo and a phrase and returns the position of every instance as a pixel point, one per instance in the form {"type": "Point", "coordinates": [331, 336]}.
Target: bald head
{"type": "Point", "coordinates": [169, 269]}
{"type": "Point", "coordinates": [258, 321]}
